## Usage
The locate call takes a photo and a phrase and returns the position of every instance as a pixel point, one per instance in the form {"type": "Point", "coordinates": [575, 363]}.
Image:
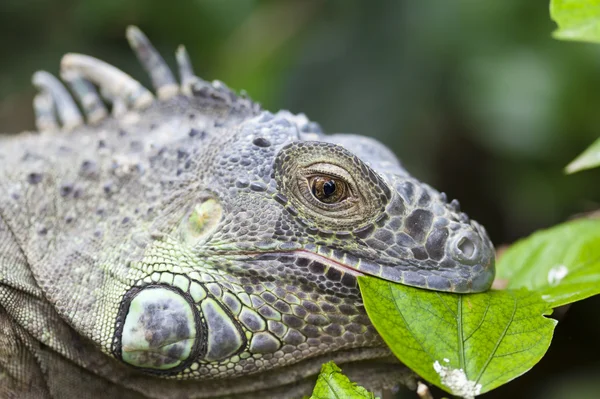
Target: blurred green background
{"type": "Point", "coordinates": [474, 96]}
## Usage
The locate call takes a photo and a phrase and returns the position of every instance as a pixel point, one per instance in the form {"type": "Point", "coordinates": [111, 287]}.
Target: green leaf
{"type": "Point", "coordinates": [561, 263]}
{"type": "Point", "coordinates": [333, 384]}
{"type": "Point", "coordinates": [589, 159]}
{"type": "Point", "coordinates": [464, 344]}
{"type": "Point", "coordinates": [576, 19]}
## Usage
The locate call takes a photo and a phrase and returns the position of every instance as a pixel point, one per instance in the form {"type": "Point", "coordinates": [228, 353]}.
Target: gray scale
{"type": "Point", "coordinates": [224, 337]}
{"type": "Point", "coordinates": [264, 342]}
{"type": "Point", "coordinates": [252, 320]}
{"type": "Point", "coordinates": [194, 218]}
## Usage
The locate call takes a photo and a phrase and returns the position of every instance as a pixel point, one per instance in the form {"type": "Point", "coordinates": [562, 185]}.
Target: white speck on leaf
{"type": "Point", "coordinates": [447, 360]}
{"type": "Point", "coordinates": [457, 381]}
{"type": "Point", "coordinates": [556, 274]}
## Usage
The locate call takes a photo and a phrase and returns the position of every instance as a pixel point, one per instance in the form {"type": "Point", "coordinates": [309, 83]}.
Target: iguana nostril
{"type": "Point", "coordinates": [467, 247]}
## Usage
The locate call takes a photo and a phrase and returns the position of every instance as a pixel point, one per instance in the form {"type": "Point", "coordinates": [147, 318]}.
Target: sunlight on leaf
{"type": "Point", "coordinates": [561, 263]}
{"type": "Point", "coordinates": [576, 19]}
{"type": "Point", "coordinates": [464, 344]}
{"type": "Point", "coordinates": [589, 159]}
{"type": "Point", "coordinates": [333, 384]}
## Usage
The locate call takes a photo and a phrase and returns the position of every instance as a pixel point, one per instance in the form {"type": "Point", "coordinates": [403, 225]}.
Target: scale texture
{"type": "Point", "coordinates": [186, 243]}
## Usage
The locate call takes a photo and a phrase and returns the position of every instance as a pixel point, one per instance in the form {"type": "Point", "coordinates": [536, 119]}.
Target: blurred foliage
{"type": "Point", "coordinates": [474, 96]}
{"type": "Point", "coordinates": [576, 19]}
{"type": "Point", "coordinates": [588, 159]}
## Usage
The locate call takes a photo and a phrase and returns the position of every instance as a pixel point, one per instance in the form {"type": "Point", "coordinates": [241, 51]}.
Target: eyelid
{"type": "Point", "coordinates": [329, 170]}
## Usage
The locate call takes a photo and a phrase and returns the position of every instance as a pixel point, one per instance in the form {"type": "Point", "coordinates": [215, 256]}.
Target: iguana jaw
{"type": "Point", "coordinates": [405, 272]}
{"type": "Point", "coordinates": [399, 274]}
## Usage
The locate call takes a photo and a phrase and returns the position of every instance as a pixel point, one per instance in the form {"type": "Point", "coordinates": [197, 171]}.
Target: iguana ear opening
{"type": "Point", "coordinates": [201, 222]}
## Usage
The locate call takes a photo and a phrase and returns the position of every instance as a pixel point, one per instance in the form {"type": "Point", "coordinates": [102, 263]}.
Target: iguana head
{"type": "Point", "coordinates": [227, 240]}
{"type": "Point", "coordinates": [280, 186]}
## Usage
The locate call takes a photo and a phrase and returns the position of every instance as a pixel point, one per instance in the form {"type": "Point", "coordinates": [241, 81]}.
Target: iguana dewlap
{"type": "Point", "coordinates": [193, 245]}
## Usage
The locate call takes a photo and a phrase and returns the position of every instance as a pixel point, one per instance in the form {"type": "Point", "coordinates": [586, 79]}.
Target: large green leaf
{"type": "Point", "coordinates": [590, 158]}
{"type": "Point", "coordinates": [562, 263]}
{"type": "Point", "coordinates": [576, 19]}
{"type": "Point", "coordinates": [465, 344]}
{"type": "Point", "coordinates": [332, 384]}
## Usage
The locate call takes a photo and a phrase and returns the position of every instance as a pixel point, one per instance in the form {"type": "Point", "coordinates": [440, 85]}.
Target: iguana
{"type": "Point", "coordinates": [192, 244]}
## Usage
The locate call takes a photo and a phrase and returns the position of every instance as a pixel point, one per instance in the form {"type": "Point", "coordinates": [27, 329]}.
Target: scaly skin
{"type": "Point", "coordinates": [196, 237]}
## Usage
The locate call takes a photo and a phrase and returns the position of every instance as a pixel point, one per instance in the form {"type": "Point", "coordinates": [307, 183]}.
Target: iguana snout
{"type": "Point", "coordinates": [362, 213]}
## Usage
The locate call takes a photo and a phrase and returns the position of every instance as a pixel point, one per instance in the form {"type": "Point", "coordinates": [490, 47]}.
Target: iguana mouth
{"type": "Point", "coordinates": [428, 275]}
{"type": "Point", "coordinates": [413, 275]}
{"type": "Point", "coordinates": [344, 268]}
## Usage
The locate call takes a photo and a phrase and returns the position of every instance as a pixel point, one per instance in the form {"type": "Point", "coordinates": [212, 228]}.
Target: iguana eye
{"type": "Point", "coordinates": [327, 189]}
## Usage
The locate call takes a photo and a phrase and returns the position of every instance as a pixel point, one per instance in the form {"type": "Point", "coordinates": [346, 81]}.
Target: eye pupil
{"type": "Point", "coordinates": [329, 188]}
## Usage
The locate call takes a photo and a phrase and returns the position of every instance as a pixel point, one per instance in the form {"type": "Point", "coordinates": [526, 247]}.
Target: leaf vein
{"type": "Point", "coordinates": [487, 307]}
{"type": "Point", "coordinates": [489, 359]}
{"type": "Point", "coordinates": [406, 323]}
